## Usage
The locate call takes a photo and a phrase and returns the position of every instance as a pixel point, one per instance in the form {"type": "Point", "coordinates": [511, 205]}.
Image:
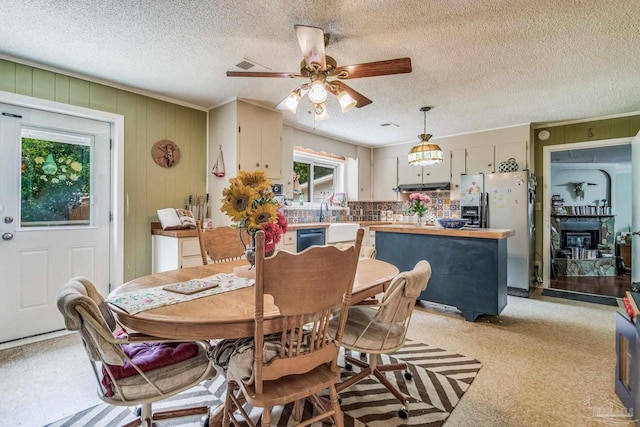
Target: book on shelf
{"type": "Point", "coordinates": [587, 210]}
{"type": "Point", "coordinates": [176, 219]}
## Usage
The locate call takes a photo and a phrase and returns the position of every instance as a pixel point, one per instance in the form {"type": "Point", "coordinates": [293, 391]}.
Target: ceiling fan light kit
{"type": "Point", "coordinates": [320, 112]}
{"type": "Point", "coordinates": [425, 153]}
{"type": "Point", "coordinates": [346, 101]}
{"type": "Point", "coordinates": [326, 76]}
{"type": "Point", "coordinates": [292, 101]}
{"type": "Point", "coordinates": [317, 92]}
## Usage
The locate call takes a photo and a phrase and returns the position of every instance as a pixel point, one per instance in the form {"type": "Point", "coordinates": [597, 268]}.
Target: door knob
{"type": "Point", "coordinates": [7, 236]}
{"type": "Point", "coordinates": [636, 233]}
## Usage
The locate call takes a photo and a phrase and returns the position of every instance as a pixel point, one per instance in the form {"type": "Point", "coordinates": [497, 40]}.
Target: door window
{"type": "Point", "coordinates": [55, 179]}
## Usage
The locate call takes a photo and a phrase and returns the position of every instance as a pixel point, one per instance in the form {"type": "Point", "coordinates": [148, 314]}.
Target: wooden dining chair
{"type": "Point", "coordinates": [381, 328]}
{"type": "Point", "coordinates": [307, 288]}
{"type": "Point", "coordinates": [132, 369]}
{"type": "Point", "coordinates": [219, 244]}
{"type": "Point", "coordinates": [365, 251]}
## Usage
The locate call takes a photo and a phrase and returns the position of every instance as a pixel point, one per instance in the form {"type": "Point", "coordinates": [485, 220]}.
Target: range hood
{"type": "Point", "coordinates": [413, 188]}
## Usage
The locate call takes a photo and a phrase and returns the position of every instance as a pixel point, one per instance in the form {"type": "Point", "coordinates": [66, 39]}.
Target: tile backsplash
{"type": "Point", "coordinates": [441, 206]}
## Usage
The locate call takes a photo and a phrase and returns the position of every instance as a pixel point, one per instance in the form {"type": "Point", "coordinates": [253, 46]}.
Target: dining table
{"type": "Point", "coordinates": [229, 314]}
{"type": "Point", "coordinates": [226, 315]}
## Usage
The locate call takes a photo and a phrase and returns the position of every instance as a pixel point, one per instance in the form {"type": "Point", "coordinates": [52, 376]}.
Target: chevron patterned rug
{"type": "Point", "coordinates": [440, 378]}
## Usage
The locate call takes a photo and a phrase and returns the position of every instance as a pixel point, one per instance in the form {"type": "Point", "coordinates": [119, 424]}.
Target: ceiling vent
{"type": "Point", "coordinates": [389, 124]}
{"type": "Point", "coordinates": [245, 65]}
{"type": "Point", "coordinates": [248, 64]}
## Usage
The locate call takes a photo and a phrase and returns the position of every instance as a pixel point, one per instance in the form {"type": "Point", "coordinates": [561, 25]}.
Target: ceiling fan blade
{"type": "Point", "coordinates": [336, 86]}
{"type": "Point", "coordinates": [276, 74]}
{"type": "Point", "coordinates": [373, 69]}
{"type": "Point", "coordinates": [303, 88]}
{"type": "Point", "coordinates": [311, 40]}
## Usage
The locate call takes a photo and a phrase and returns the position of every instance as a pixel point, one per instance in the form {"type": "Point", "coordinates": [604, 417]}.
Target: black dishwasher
{"type": "Point", "coordinates": [309, 237]}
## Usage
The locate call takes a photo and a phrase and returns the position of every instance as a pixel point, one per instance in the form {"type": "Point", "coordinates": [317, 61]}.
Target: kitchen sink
{"type": "Point", "coordinates": [342, 232]}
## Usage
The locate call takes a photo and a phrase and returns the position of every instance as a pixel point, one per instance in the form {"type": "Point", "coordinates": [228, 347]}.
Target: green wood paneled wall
{"type": "Point", "coordinates": [595, 130]}
{"type": "Point", "coordinates": [147, 186]}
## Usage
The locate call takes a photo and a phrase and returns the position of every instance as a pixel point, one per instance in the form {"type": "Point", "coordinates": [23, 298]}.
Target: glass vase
{"type": "Point", "coordinates": [419, 220]}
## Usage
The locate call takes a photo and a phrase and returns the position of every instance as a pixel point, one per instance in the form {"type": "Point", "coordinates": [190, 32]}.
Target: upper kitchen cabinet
{"type": "Point", "coordinates": [358, 182]}
{"type": "Point", "coordinates": [487, 159]}
{"type": "Point", "coordinates": [408, 174]}
{"type": "Point", "coordinates": [480, 160]}
{"type": "Point", "coordinates": [513, 150]}
{"type": "Point", "coordinates": [364, 179]}
{"type": "Point", "coordinates": [259, 140]}
{"type": "Point", "coordinates": [385, 179]}
{"type": "Point", "coordinates": [458, 167]}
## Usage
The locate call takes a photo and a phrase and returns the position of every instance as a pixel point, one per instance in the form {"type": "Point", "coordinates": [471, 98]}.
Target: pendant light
{"type": "Point", "coordinates": [425, 153]}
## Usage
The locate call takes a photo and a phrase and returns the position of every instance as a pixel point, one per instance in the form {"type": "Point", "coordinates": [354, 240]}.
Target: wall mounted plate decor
{"type": "Point", "coordinates": [165, 153]}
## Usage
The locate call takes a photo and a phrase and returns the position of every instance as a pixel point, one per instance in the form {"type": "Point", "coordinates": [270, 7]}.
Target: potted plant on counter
{"type": "Point", "coordinates": [418, 207]}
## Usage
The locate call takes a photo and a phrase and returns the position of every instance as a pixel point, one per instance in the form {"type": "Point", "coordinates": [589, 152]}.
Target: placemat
{"type": "Point", "coordinates": [146, 299]}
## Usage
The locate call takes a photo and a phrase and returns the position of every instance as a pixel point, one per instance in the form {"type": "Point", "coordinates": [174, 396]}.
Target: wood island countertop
{"type": "Point", "coordinates": [480, 233]}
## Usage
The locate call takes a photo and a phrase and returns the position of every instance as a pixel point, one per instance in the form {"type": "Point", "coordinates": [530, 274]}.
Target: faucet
{"type": "Point", "coordinates": [323, 203]}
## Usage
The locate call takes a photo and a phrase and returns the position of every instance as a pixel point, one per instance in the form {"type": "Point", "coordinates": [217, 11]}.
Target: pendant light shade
{"type": "Point", "coordinates": [425, 153]}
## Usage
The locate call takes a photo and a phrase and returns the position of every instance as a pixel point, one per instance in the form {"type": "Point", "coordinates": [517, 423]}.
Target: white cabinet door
{"type": "Point", "coordinates": [260, 140]}
{"type": "Point", "coordinates": [480, 160]}
{"type": "Point", "coordinates": [249, 137]}
{"type": "Point", "coordinates": [408, 174]}
{"type": "Point", "coordinates": [364, 179]}
{"type": "Point", "coordinates": [438, 173]}
{"type": "Point", "coordinates": [385, 179]}
{"type": "Point", "coordinates": [515, 150]}
{"type": "Point", "coordinates": [272, 144]}
{"type": "Point", "coordinates": [458, 167]}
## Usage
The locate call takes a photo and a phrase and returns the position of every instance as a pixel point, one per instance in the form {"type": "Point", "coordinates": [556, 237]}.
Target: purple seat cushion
{"type": "Point", "coordinates": [148, 356]}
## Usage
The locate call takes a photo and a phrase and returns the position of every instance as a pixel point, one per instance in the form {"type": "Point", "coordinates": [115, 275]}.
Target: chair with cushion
{"type": "Point", "coordinates": [382, 328]}
{"type": "Point", "coordinates": [219, 244]}
{"type": "Point", "coordinates": [298, 359]}
{"type": "Point", "coordinates": [132, 369]}
{"type": "Point", "coordinates": [365, 251]}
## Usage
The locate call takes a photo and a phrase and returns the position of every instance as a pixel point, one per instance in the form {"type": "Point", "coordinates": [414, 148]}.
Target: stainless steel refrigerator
{"type": "Point", "coordinates": [506, 201]}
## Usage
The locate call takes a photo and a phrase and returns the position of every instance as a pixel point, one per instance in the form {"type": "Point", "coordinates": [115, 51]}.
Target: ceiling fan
{"type": "Point", "coordinates": [326, 76]}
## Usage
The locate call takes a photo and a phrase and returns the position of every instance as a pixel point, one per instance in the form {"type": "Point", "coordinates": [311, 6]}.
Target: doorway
{"type": "Point", "coordinates": [589, 211]}
{"type": "Point", "coordinates": [59, 209]}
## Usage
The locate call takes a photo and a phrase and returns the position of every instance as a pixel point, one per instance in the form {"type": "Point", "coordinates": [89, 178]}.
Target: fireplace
{"type": "Point", "coordinates": [582, 245]}
{"type": "Point", "coordinates": [580, 234]}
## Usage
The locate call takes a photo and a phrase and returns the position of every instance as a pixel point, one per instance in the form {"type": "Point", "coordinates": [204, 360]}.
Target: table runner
{"type": "Point", "coordinates": [146, 299]}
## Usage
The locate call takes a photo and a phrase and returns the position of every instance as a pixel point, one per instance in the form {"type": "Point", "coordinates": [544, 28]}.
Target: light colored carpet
{"type": "Point", "coordinates": [543, 360]}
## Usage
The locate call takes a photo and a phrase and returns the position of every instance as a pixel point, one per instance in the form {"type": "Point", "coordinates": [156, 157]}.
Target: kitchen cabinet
{"type": "Point", "coordinates": [288, 242]}
{"type": "Point", "coordinates": [173, 253]}
{"type": "Point", "coordinates": [259, 140]}
{"type": "Point", "coordinates": [364, 179]}
{"type": "Point", "coordinates": [480, 160]}
{"type": "Point", "coordinates": [369, 236]}
{"type": "Point", "coordinates": [408, 174]}
{"type": "Point", "coordinates": [486, 159]}
{"type": "Point", "coordinates": [385, 179]}
{"type": "Point", "coordinates": [458, 167]}
{"type": "Point", "coordinates": [516, 150]}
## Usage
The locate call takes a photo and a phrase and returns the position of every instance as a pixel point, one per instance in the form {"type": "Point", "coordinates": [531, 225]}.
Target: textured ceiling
{"type": "Point", "coordinates": [480, 63]}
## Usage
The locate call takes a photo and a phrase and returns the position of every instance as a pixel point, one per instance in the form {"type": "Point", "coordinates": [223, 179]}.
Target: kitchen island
{"type": "Point", "coordinates": [469, 266]}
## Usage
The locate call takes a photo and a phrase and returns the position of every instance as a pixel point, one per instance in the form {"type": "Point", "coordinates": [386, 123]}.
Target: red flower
{"type": "Point", "coordinates": [273, 232]}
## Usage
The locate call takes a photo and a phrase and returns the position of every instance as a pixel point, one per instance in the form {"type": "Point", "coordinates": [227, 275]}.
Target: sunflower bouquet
{"type": "Point", "coordinates": [249, 202]}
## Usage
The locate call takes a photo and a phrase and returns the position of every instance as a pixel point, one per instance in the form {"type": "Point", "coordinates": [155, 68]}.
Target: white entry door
{"type": "Point", "coordinates": [55, 178]}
